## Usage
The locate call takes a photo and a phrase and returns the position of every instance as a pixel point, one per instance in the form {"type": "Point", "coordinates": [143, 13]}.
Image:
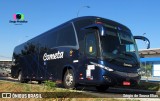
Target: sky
{"type": "Point", "coordinates": [141, 16]}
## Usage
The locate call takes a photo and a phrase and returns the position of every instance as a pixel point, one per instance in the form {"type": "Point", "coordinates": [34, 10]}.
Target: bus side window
{"type": "Point", "coordinates": [90, 44]}
{"type": "Point", "coordinates": [66, 36]}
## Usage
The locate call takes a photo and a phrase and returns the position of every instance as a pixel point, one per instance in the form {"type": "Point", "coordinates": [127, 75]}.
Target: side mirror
{"type": "Point", "coordinates": [144, 39]}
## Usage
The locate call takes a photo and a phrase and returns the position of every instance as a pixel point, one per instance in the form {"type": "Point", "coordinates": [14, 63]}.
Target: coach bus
{"type": "Point", "coordinates": [87, 50]}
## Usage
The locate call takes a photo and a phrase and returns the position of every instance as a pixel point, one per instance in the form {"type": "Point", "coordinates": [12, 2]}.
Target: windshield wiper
{"type": "Point", "coordinates": [130, 55]}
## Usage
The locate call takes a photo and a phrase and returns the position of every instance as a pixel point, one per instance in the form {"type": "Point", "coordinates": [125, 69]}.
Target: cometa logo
{"type": "Point", "coordinates": [53, 56]}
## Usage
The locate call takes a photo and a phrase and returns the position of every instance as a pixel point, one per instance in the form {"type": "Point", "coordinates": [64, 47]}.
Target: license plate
{"type": "Point", "coordinates": [126, 83]}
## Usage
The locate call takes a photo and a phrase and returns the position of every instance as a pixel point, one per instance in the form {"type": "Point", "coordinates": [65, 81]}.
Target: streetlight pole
{"type": "Point", "coordinates": [81, 8]}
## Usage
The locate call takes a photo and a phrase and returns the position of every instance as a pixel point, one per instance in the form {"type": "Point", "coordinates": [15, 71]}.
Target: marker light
{"type": "Point", "coordinates": [99, 23]}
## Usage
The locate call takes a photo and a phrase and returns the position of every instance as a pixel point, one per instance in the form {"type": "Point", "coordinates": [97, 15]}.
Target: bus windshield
{"type": "Point", "coordinates": [119, 45]}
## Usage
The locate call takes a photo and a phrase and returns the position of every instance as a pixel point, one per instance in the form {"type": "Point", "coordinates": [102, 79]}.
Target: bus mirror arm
{"type": "Point", "coordinates": [144, 39]}
{"type": "Point", "coordinates": [95, 26]}
{"type": "Point", "coordinates": [92, 26]}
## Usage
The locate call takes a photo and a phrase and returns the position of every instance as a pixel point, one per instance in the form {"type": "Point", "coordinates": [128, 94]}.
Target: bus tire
{"type": "Point", "coordinates": [102, 88]}
{"type": "Point", "coordinates": [20, 78]}
{"type": "Point", "coordinates": [69, 79]}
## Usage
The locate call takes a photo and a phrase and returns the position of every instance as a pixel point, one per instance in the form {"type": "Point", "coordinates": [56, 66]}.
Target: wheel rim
{"type": "Point", "coordinates": [69, 79]}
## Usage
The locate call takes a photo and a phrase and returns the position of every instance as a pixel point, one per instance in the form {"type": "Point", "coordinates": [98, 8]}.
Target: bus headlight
{"type": "Point", "coordinates": [102, 66]}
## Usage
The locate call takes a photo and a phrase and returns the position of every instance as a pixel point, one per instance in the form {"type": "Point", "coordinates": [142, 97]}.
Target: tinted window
{"type": "Point", "coordinates": [91, 49]}
{"type": "Point", "coordinates": [66, 36]}
{"type": "Point", "coordinates": [81, 24]}
{"type": "Point", "coordinates": [51, 39]}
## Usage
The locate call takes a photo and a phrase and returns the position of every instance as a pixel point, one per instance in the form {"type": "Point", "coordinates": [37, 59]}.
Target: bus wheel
{"type": "Point", "coordinates": [20, 79]}
{"type": "Point", "coordinates": [69, 80]}
{"type": "Point", "coordinates": [102, 88]}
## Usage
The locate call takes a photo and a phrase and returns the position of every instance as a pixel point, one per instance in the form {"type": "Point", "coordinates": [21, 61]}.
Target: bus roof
{"type": "Point", "coordinates": [82, 18]}
{"type": "Point", "coordinates": [98, 18]}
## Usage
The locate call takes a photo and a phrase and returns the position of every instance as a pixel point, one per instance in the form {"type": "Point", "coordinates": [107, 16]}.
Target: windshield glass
{"type": "Point", "coordinates": [120, 46]}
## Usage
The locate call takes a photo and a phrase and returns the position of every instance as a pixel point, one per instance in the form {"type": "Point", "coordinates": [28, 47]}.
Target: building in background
{"type": "Point", "coordinates": [154, 52]}
{"type": "Point", "coordinates": [150, 63]}
{"type": "Point", "coordinates": [5, 63]}
{"type": "Point", "coordinates": [5, 67]}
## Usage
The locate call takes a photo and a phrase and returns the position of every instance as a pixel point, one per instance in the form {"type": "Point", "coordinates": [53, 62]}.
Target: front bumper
{"type": "Point", "coordinates": [118, 78]}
